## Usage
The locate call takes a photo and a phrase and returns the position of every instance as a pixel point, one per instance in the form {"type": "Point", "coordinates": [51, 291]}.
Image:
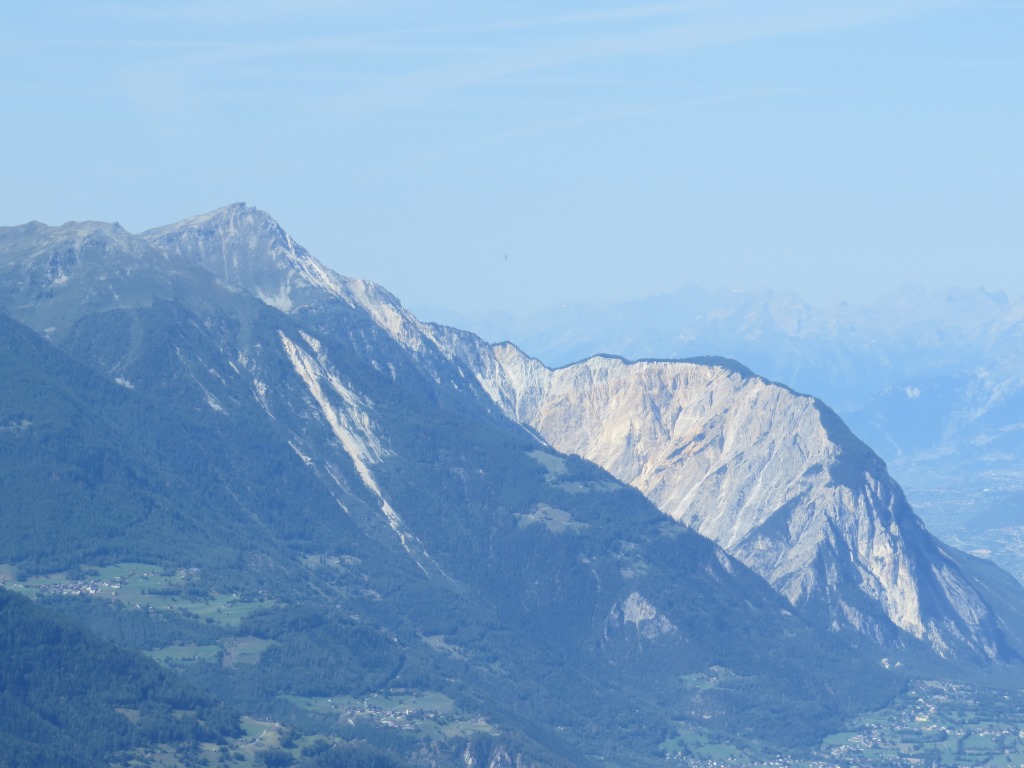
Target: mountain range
{"type": "Point", "coordinates": [582, 561]}
{"type": "Point", "coordinates": [929, 379]}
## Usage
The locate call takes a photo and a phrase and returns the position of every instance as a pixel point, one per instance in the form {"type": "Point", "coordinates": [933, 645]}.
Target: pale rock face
{"type": "Point", "coordinates": [348, 416]}
{"type": "Point", "coordinates": [644, 617]}
{"type": "Point", "coordinates": [772, 476]}
{"type": "Point", "coordinates": [635, 620]}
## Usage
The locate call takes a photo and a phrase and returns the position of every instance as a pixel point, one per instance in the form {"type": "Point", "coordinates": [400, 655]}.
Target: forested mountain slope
{"type": "Point", "coordinates": [215, 401]}
{"type": "Point", "coordinates": [68, 698]}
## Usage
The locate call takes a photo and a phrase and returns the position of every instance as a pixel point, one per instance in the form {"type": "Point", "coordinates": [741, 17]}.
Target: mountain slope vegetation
{"type": "Point", "coordinates": [302, 497]}
{"type": "Point", "coordinates": [69, 698]}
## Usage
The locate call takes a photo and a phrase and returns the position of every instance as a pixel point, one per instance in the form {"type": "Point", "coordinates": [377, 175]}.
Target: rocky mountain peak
{"type": "Point", "coordinates": [249, 251]}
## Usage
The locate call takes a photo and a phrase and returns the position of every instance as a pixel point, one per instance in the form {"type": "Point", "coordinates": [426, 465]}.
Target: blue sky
{"type": "Point", "coordinates": [472, 155]}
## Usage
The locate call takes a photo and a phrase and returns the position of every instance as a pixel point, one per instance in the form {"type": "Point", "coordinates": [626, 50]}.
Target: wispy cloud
{"type": "Point", "coordinates": [719, 25]}
{"type": "Point", "coordinates": [646, 111]}
{"type": "Point", "coordinates": [986, 64]}
{"type": "Point", "coordinates": [215, 11]}
{"type": "Point", "coordinates": [379, 61]}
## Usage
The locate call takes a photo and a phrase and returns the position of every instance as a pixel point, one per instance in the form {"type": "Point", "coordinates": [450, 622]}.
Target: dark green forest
{"type": "Point", "coordinates": [70, 698]}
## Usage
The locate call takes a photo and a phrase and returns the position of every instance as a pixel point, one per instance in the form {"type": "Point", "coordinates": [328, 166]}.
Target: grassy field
{"type": "Point", "coordinates": [142, 585]}
{"type": "Point", "coordinates": [692, 744]}
{"type": "Point", "coordinates": [244, 650]}
{"type": "Point", "coordinates": [185, 654]}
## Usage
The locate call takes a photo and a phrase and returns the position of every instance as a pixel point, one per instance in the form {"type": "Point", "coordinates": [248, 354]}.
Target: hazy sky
{"type": "Point", "coordinates": [473, 155]}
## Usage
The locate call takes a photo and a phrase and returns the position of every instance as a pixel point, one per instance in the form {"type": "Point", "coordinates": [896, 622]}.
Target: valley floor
{"type": "Point", "coordinates": [931, 724]}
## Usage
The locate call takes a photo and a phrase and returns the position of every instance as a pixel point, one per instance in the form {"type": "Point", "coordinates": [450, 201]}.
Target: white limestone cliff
{"type": "Point", "coordinates": [772, 476]}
